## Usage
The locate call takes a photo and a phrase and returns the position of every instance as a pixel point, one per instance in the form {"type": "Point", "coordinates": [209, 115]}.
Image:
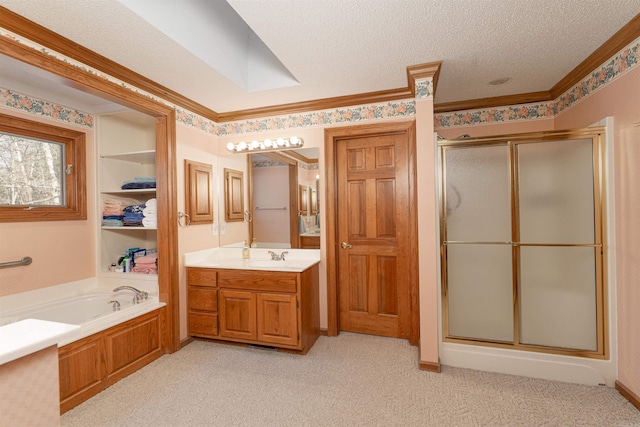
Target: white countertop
{"type": "Point", "coordinates": [27, 336]}
{"type": "Point", "coordinates": [296, 260]}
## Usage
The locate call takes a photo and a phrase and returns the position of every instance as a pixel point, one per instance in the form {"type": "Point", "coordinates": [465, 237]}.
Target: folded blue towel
{"type": "Point", "coordinates": [136, 209]}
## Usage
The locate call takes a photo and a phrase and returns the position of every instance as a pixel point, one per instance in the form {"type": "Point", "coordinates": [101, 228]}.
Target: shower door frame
{"type": "Point", "coordinates": [597, 135]}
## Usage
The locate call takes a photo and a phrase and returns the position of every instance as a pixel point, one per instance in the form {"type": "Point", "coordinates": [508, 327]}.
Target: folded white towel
{"type": "Point", "coordinates": [150, 212]}
{"type": "Point", "coordinates": [151, 203]}
{"type": "Point", "coordinates": [149, 222]}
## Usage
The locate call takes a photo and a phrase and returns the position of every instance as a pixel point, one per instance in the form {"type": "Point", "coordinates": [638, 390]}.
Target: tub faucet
{"type": "Point", "coordinates": [139, 295]}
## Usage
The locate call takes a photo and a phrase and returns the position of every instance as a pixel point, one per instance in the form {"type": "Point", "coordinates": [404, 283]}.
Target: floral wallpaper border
{"type": "Point", "coordinates": [619, 64]}
{"type": "Point", "coordinates": [320, 118]}
{"type": "Point", "coordinates": [424, 88]}
{"type": "Point", "coordinates": [29, 104]}
{"type": "Point", "coordinates": [271, 163]}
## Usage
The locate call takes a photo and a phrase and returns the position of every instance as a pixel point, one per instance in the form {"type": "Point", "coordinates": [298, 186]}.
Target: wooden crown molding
{"type": "Point", "coordinates": [39, 34]}
{"type": "Point", "coordinates": [496, 101]}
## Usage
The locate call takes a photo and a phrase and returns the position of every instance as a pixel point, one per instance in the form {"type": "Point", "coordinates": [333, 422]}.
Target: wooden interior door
{"type": "Point", "coordinates": [373, 223]}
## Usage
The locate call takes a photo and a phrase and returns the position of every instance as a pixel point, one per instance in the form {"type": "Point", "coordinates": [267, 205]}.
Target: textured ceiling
{"type": "Point", "coordinates": [344, 47]}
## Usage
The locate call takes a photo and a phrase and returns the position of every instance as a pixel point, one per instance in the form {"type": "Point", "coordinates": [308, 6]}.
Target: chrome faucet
{"type": "Point", "coordinates": [139, 295]}
{"type": "Point", "coordinates": [276, 257]}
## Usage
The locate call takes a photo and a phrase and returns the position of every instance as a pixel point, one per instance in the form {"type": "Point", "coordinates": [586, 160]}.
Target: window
{"type": "Point", "coordinates": [42, 172]}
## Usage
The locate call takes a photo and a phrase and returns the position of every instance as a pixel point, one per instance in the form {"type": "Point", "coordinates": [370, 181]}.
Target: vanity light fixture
{"type": "Point", "coordinates": [267, 144]}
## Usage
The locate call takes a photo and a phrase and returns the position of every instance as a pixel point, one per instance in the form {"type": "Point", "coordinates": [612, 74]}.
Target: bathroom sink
{"type": "Point", "coordinates": [268, 263]}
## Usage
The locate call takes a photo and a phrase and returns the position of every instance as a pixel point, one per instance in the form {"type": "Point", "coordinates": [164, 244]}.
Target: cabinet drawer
{"type": "Point", "coordinates": [203, 299]}
{"type": "Point", "coordinates": [310, 242]}
{"type": "Point", "coordinates": [258, 280]}
{"type": "Point", "coordinates": [201, 277]}
{"type": "Point", "coordinates": [203, 324]}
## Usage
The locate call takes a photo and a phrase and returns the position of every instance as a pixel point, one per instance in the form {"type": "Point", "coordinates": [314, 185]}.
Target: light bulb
{"type": "Point", "coordinates": [231, 146]}
{"type": "Point", "coordinates": [294, 140]}
{"type": "Point", "coordinates": [267, 142]}
{"type": "Point", "coordinates": [242, 145]}
{"type": "Point", "coordinates": [280, 142]}
{"type": "Point", "coordinates": [255, 144]}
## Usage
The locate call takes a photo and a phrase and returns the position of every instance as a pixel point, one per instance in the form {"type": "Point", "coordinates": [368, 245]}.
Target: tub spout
{"type": "Point", "coordinates": [139, 295]}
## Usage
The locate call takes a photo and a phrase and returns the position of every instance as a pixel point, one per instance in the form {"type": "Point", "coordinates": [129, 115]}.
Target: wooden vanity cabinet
{"type": "Point", "coordinates": [274, 308]}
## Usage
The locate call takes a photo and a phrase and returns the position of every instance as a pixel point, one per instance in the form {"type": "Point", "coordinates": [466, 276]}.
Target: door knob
{"type": "Point", "coordinates": [345, 245]}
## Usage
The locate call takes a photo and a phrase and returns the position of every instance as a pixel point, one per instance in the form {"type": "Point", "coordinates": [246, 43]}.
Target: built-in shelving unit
{"type": "Point", "coordinates": [126, 149]}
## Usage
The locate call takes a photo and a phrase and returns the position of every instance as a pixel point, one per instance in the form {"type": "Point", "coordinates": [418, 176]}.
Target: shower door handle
{"type": "Point", "coordinates": [345, 245]}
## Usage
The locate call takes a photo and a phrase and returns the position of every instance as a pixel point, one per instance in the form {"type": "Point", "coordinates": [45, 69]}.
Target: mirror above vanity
{"type": "Point", "coordinates": [282, 209]}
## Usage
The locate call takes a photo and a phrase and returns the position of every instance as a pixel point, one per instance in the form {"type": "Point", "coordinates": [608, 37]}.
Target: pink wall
{"type": "Point", "coordinates": [62, 251]}
{"type": "Point", "coordinates": [621, 99]}
{"type": "Point", "coordinates": [428, 245]}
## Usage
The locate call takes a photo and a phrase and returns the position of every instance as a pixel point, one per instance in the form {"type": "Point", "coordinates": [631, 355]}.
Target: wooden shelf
{"type": "Point", "coordinates": [125, 227]}
{"type": "Point", "coordinates": [131, 191]}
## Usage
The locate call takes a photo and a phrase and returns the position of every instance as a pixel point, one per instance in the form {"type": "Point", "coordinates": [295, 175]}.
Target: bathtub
{"type": "Point", "coordinates": [85, 303]}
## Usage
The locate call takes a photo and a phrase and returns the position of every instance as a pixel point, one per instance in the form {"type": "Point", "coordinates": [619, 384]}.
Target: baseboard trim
{"type": "Point", "coordinates": [185, 342]}
{"type": "Point", "coordinates": [430, 366]}
{"type": "Point", "coordinates": [628, 394]}
{"type": "Point", "coordinates": [324, 332]}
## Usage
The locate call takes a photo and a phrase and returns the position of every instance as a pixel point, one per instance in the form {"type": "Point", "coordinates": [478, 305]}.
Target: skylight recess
{"type": "Point", "coordinates": [215, 33]}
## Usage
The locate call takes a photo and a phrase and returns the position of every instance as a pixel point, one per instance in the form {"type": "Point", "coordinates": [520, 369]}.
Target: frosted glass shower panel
{"type": "Point", "coordinates": [558, 297]}
{"type": "Point", "coordinates": [480, 291]}
{"type": "Point", "coordinates": [556, 197]}
{"type": "Point", "coordinates": [477, 194]}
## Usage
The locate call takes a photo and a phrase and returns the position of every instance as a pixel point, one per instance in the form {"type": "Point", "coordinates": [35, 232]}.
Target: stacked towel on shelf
{"type": "Point", "coordinates": [147, 264]}
{"type": "Point", "coordinates": [113, 211]}
{"type": "Point", "coordinates": [140, 182]}
{"type": "Point", "coordinates": [133, 215]}
{"type": "Point", "coordinates": [150, 213]}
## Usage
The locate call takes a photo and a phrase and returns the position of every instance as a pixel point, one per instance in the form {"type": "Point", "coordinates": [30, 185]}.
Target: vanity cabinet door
{"type": "Point", "coordinates": [237, 314]}
{"type": "Point", "coordinates": [277, 318]}
{"type": "Point", "coordinates": [303, 200]}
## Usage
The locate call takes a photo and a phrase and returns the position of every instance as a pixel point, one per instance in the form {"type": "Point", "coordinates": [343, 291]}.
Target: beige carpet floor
{"type": "Point", "coordinates": [349, 380]}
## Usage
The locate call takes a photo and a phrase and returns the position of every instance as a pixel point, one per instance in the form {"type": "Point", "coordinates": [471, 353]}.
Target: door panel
{"type": "Point", "coordinates": [558, 294]}
{"type": "Point", "coordinates": [556, 197]}
{"type": "Point", "coordinates": [373, 222]}
{"type": "Point", "coordinates": [480, 291]}
{"type": "Point", "coordinates": [478, 194]}
{"type": "Point", "coordinates": [277, 318]}
{"type": "Point", "coordinates": [237, 314]}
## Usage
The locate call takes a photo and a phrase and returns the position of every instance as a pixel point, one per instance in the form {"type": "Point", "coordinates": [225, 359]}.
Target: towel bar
{"type": "Point", "coordinates": [24, 261]}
